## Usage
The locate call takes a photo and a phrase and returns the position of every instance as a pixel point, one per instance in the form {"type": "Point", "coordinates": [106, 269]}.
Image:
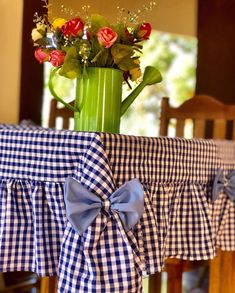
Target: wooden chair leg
{"type": "Point", "coordinates": [49, 285]}
{"type": "Point", "coordinates": [155, 283]}
{"type": "Point", "coordinates": [233, 270]}
{"type": "Point", "coordinates": [174, 276]}
{"type": "Point", "coordinates": [226, 269]}
{"type": "Point", "coordinates": [214, 276]}
{"type": "Point", "coordinates": [226, 281]}
{"type": "Point", "coordinates": [222, 273]}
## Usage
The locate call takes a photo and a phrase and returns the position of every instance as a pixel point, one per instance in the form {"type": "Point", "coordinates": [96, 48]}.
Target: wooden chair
{"type": "Point", "coordinates": [202, 110]}
{"type": "Point", "coordinates": [208, 116]}
{"type": "Point", "coordinates": [19, 282]}
{"type": "Point", "coordinates": [56, 112]}
{"type": "Point", "coordinates": [49, 284]}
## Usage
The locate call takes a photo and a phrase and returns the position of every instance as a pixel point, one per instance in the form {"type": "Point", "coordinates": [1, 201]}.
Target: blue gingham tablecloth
{"type": "Point", "coordinates": [179, 220]}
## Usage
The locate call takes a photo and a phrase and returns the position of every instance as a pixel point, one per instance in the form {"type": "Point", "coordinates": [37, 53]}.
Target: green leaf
{"type": "Point", "coordinates": [122, 55]}
{"type": "Point", "coordinates": [43, 42]}
{"type": "Point", "coordinates": [42, 32]}
{"type": "Point", "coordinates": [97, 22]}
{"type": "Point", "coordinates": [120, 51]}
{"type": "Point", "coordinates": [95, 48]}
{"type": "Point", "coordinates": [138, 48]}
{"type": "Point", "coordinates": [120, 30]}
{"type": "Point", "coordinates": [71, 67]}
{"type": "Point", "coordinates": [127, 64]}
{"type": "Point", "coordinates": [101, 58]}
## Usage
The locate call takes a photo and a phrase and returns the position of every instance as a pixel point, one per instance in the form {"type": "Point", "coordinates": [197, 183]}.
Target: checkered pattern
{"type": "Point", "coordinates": [104, 258]}
{"type": "Point", "coordinates": [179, 219]}
{"type": "Point", "coordinates": [223, 208]}
{"type": "Point", "coordinates": [33, 166]}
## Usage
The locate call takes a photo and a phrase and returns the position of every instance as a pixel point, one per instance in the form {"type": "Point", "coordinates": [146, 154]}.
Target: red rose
{"type": "Point", "coordinates": [41, 55]}
{"type": "Point", "coordinates": [144, 31]}
{"type": "Point", "coordinates": [57, 58]}
{"type": "Point", "coordinates": [73, 27]}
{"type": "Point", "coordinates": [106, 37]}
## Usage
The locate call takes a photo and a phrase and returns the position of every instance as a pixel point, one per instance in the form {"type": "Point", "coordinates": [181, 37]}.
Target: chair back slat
{"type": "Point", "coordinates": [164, 121]}
{"type": "Point", "coordinates": [233, 133]}
{"type": "Point", "coordinates": [180, 123]}
{"type": "Point", "coordinates": [199, 128]}
{"type": "Point", "coordinates": [64, 113]}
{"type": "Point", "coordinates": [66, 123]}
{"type": "Point", "coordinates": [219, 129]}
{"type": "Point", "coordinates": [52, 114]}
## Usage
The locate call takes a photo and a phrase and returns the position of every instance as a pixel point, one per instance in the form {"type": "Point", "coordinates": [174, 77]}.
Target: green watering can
{"type": "Point", "coordinates": [98, 103]}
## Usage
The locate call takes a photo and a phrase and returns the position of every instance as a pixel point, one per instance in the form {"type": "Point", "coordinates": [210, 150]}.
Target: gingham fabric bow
{"type": "Point", "coordinates": [224, 184]}
{"type": "Point", "coordinates": [83, 206]}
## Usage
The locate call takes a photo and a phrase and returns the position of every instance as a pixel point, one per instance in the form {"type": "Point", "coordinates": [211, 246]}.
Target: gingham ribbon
{"type": "Point", "coordinates": [224, 184]}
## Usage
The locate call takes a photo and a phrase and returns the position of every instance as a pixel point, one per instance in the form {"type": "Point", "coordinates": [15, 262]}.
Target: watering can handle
{"type": "Point", "coordinates": [54, 94]}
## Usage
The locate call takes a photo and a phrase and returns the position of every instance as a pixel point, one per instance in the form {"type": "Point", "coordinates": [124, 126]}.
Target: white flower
{"type": "Point", "coordinates": [36, 35]}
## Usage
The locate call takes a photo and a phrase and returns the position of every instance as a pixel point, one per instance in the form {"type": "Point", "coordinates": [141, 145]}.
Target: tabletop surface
{"type": "Point", "coordinates": [180, 220]}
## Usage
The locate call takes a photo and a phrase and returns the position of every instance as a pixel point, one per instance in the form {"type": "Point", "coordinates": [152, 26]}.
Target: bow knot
{"type": "Point", "coordinates": [106, 205]}
{"type": "Point", "coordinates": [83, 206]}
{"type": "Point", "coordinates": [224, 184]}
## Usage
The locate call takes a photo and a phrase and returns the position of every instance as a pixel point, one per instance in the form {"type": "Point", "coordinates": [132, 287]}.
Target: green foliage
{"type": "Point", "coordinates": [122, 55]}
{"type": "Point", "coordinates": [97, 22]}
{"type": "Point", "coordinates": [71, 67]}
{"type": "Point", "coordinates": [101, 58]}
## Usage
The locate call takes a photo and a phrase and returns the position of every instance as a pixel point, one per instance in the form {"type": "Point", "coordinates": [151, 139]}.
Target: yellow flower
{"type": "Point", "coordinates": [58, 23]}
{"type": "Point", "coordinates": [135, 73]}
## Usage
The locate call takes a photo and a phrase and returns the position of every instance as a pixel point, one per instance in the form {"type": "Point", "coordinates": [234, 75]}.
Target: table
{"type": "Point", "coordinates": [180, 220]}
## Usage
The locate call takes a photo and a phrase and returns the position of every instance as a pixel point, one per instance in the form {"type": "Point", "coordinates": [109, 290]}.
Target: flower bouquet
{"type": "Point", "coordinates": [77, 46]}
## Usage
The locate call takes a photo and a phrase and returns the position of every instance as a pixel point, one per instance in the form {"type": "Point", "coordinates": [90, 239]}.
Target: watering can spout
{"type": "Point", "coordinates": [151, 76]}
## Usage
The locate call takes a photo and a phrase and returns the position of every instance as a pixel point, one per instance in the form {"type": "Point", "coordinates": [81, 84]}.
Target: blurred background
{"type": "Point", "coordinates": [192, 44]}
{"type": "Point", "coordinates": [172, 48]}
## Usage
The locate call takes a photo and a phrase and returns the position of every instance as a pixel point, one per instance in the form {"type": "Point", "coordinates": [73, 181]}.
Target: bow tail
{"type": "Point", "coordinates": [131, 243]}
{"type": "Point", "coordinates": [91, 257]}
{"type": "Point", "coordinates": [126, 263]}
{"type": "Point", "coordinates": [98, 232]}
{"type": "Point", "coordinates": [94, 233]}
